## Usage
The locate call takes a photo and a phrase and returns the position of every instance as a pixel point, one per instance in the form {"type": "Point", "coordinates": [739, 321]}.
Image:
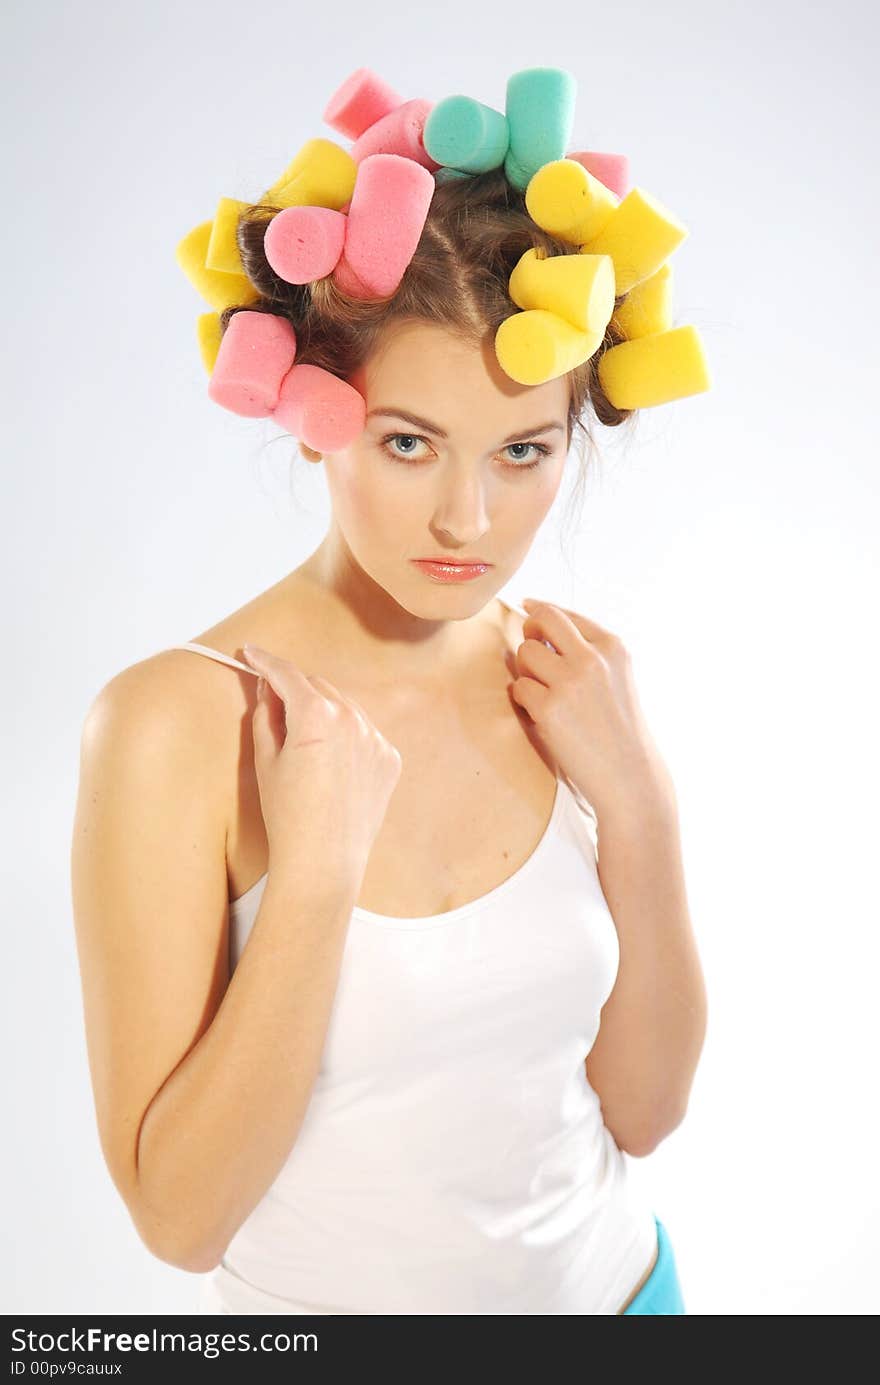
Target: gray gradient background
{"type": "Point", "coordinates": [731, 542]}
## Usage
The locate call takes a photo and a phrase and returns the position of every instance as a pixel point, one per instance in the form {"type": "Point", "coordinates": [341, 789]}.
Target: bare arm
{"type": "Point", "coordinates": [201, 1082]}
{"type": "Point", "coordinates": [216, 1134]}
{"type": "Point", "coordinates": [653, 1024]}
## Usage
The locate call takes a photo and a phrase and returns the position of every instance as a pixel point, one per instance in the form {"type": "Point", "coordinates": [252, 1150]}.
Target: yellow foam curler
{"type": "Point", "coordinates": [321, 175]}
{"type": "Point", "coordinates": [618, 272]}
{"type": "Point", "coordinates": [209, 334]}
{"type": "Point", "coordinates": [536, 345]}
{"type": "Point", "coordinates": [579, 288]}
{"type": "Point", "coordinates": [655, 369]}
{"type": "Point", "coordinates": [639, 235]}
{"type": "Point", "coordinates": [223, 252]}
{"type": "Point", "coordinates": [647, 307]}
{"type": "Point", "coordinates": [219, 289]}
{"type": "Point", "coordinates": [565, 199]}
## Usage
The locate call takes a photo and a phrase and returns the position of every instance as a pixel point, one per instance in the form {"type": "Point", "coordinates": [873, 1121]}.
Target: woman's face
{"type": "Point", "coordinates": [472, 481]}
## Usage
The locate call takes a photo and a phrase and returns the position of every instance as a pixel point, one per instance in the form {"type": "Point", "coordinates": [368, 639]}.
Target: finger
{"type": "Point", "coordinates": [337, 695]}
{"type": "Point", "coordinates": [590, 629]}
{"type": "Point", "coordinates": [530, 695]}
{"type": "Point", "coordinates": [269, 720]}
{"type": "Point", "coordinates": [325, 687]}
{"type": "Point", "coordinates": [545, 621]}
{"type": "Point", "coordinates": [284, 678]}
{"type": "Point", "coordinates": [534, 658]}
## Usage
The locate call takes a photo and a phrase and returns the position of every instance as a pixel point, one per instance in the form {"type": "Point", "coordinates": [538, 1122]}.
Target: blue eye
{"type": "Point", "coordinates": [411, 457]}
{"type": "Point", "coordinates": [539, 448]}
{"type": "Point", "coordinates": [411, 437]}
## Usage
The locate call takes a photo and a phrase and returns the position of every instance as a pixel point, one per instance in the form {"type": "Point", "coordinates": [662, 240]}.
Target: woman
{"type": "Point", "coordinates": [343, 932]}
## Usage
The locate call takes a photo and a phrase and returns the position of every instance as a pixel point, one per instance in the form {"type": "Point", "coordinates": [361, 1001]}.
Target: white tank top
{"type": "Point", "coordinates": [453, 1158]}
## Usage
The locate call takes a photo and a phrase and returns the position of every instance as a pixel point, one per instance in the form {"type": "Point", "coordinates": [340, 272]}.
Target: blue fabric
{"type": "Point", "coordinates": [661, 1292]}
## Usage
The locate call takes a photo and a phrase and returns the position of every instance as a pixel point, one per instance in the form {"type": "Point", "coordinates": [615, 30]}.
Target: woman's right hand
{"type": "Point", "coordinates": [325, 772]}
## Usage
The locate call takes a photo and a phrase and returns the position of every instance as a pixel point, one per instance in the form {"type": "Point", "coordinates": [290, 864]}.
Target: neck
{"type": "Point", "coordinates": [362, 617]}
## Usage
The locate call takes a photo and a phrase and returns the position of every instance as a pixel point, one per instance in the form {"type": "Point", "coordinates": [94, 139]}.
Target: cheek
{"type": "Point", "coordinates": [366, 506]}
{"type": "Point", "coordinates": [536, 499]}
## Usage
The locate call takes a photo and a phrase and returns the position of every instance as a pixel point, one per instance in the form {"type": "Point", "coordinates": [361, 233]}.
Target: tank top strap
{"type": "Point", "coordinates": [511, 607]}
{"type": "Point", "coordinates": [215, 654]}
{"type": "Point", "coordinates": [577, 797]}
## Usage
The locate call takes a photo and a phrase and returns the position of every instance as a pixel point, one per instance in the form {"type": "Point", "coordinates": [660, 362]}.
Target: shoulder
{"type": "Point", "coordinates": [167, 722]}
{"type": "Point", "coordinates": [174, 692]}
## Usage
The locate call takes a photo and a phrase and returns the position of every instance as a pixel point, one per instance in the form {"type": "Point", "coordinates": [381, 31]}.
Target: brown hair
{"type": "Point", "coordinates": [475, 232]}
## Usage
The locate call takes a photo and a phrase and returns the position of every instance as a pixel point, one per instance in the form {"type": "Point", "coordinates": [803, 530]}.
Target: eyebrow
{"type": "Point", "coordinates": [438, 432]}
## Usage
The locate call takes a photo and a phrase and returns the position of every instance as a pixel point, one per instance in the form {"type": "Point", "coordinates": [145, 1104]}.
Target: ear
{"type": "Point", "coordinates": [310, 454]}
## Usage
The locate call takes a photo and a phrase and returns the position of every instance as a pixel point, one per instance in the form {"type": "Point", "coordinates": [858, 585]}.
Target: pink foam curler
{"type": "Point", "coordinates": [256, 352]}
{"type": "Point", "coordinates": [304, 243]}
{"type": "Point", "coordinates": [399, 132]}
{"type": "Point", "coordinates": [362, 99]}
{"type": "Point", "coordinates": [610, 169]}
{"type": "Point", "coordinates": [323, 411]}
{"type": "Point", "coordinates": [387, 216]}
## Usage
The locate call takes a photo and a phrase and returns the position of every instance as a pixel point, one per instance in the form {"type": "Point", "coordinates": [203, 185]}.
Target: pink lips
{"type": "Point", "coordinates": [451, 572]}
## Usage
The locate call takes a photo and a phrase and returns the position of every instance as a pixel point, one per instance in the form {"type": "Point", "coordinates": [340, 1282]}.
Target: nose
{"type": "Point", "coordinates": [461, 515]}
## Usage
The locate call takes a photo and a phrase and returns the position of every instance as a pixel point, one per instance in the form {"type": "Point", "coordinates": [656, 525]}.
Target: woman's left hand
{"type": "Point", "coordinates": [582, 698]}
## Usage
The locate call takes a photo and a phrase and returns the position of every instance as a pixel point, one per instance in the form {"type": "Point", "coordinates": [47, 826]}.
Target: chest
{"type": "Point", "coordinates": [517, 973]}
{"type": "Point", "coordinates": [473, 802]}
